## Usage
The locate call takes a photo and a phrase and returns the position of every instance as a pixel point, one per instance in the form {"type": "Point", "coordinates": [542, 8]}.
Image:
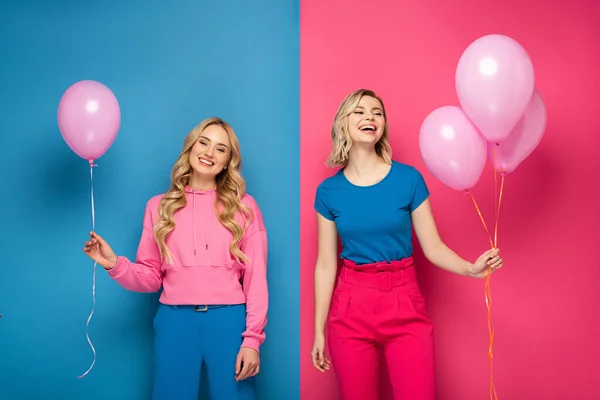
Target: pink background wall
{"type": "Point", "coordinates": [547, 298]}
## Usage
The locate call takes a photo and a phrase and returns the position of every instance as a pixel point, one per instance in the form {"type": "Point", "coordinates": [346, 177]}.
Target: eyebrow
{"type": "Point", "coordinates": [218, 144]}
{"type": "Point", "coordinates": [374, 108]}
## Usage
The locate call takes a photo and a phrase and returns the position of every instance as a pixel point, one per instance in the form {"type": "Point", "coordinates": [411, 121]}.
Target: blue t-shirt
{"type": "Point", "coordinates": [374, 221]}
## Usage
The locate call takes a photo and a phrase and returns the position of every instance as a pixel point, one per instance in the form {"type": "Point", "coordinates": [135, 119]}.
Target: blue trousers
{"type": "Point", "coordinates": [188, 339]}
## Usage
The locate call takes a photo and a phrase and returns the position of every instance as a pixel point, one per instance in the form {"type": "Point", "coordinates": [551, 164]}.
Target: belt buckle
{"type": "Point", "coordinates": [384, 281]}
{"type": "Point", "coordinates": [201, 308]}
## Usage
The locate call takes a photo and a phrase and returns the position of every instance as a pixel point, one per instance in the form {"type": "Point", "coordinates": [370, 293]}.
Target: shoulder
{"type": "Point", "coordinates": [249, 201]}
{"type": "Point", "coordinates": [332, 182]}
{"type": "Point", "coordinates": [257, 222]}
{"type": "Point", "coordinates": [153, 202]}
{"type": "Point", "coordinates": [405, 168]}
{"type": "Point", "coordinates": [151, 209]}
{"type": "Point", "coordinates": [406, 171]}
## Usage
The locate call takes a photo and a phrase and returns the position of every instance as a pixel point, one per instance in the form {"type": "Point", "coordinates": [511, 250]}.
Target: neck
{"type": "Point", "coordinates": [363, 160]}
{"type": "Point", "coordinates": [202, 183]}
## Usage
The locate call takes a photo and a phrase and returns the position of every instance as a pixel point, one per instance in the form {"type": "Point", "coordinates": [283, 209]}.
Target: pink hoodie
{"type": "Point", "coordinates": [203, 270]}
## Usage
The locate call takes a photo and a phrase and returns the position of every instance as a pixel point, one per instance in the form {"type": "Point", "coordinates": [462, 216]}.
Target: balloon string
{"type": "Point", "coordinates": [481, 217]}
{"type": "Point", "coordinates": [497, 197]}
{"type": "Point", "coordinates": [488, 290]}
{"type": "Point", "coordinates": [498, 210]}
{"type": "Point", "coordinates": [488, 303]}
{"type": "Point", "coordinates": [87, 324]}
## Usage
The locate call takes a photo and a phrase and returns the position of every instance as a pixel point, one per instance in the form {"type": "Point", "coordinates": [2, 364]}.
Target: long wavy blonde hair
{"type": "Point", "coordinates": [340, 136]}
{"type": "Point", "coordinates": [231, 187]}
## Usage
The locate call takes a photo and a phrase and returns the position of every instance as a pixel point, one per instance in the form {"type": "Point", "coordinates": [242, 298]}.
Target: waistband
{"type": "Point", "coordinates": [383, 276]}
{"type": "Point", "coordinates": [200, 308]}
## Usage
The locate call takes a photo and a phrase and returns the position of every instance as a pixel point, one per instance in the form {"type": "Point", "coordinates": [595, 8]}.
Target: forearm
{"type": "Point", "coordinates": [445, 258]}
{"type": "Point", "coordinates": [256, 289]}
{"type": "Point", "coordinates": [324, 283]}
{"type": "Point", "coordinates": [136, 277]}
{"type": "Point", "coordinates": [257, 304]}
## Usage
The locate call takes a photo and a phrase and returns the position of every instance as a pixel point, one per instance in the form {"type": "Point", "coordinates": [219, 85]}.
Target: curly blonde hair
{"type": "Point", "coordinates": [340, 136]}
{"type": "Point", "coordinates": [231, 188]}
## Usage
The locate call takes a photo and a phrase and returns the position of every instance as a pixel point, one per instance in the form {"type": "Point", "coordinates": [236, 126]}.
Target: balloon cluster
{"type": "Point", "coordinates": [501, 115]}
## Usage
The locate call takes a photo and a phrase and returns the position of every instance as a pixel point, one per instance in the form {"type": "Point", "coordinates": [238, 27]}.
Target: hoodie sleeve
{"type": "Point", "coordinates": [255, 280]}
{"type": "Point", "coordinates": [145, 274]}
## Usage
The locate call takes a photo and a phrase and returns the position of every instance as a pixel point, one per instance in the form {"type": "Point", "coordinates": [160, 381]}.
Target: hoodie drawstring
{"type": "Point", "coordinates": [207, 221]}
{"type": "Point", "coordinates": [194, 220]}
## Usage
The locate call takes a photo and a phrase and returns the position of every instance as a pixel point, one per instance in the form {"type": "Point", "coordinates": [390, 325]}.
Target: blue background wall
{"type": "Point", "coordinates": [170, 67]}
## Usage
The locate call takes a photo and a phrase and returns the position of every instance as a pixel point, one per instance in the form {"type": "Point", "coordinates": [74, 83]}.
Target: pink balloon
{"type": "Point", "coordinates": [494, 83]}
{"type": "Point", "coordinates": [526, 136]}
{"type": "Point", "coordinates": [452, 148]}
{"type": "Point", "coordinates": [89, 118]}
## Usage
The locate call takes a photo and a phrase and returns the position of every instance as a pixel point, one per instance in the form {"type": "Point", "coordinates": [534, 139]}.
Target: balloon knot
{"type": "Point", "coordinates": [92, 165]}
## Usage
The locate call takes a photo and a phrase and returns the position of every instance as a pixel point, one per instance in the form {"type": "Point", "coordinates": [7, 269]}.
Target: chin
{"type": "Point", "coordinates": [367, 140]}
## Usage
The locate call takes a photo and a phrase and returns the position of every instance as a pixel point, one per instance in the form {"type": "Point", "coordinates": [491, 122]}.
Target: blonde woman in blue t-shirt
{"type": "Point", "coordinates": [373, 202]}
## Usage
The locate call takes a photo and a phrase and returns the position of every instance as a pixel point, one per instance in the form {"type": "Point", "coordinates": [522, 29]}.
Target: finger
{"type": "Point", "coordinates": [492, 253]}
{"type": "Point", "coordinates": [246, 366]}
{"type": "Point", "coordinates": [238, 364]}
{"type": "Point", "coordinates": [98, 238]}
{"type": "Point", "coordinates": [256, 370]}
{"type": "Point", "coordinates": [245, 370]}
{"type": "Point", "coordinates": [323, 361]}
{"type": "Point", "coordinates": [497, 264]}
{"type": "Point", "coordinates": [493, 260]}
{"type": "Point", "coordinates": [253, 371]}
{"type": "Point", "coordinates": [315, 360]}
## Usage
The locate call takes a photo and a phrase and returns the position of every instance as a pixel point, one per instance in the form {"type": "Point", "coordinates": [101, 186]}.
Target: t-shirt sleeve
{"type": "Point", "coordinates": [420, 190]}
{"type": "Point", "coordinates": [322, 203]}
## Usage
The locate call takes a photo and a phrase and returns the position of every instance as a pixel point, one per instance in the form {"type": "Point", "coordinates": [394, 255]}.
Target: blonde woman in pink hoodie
{"type": "Point", "coordinates": [204, 244]}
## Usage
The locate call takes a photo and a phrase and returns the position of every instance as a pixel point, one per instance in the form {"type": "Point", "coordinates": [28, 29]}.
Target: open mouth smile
{"type": "Point", "coordinates": [368, 128]}
{"type": "Point", "coordinates": [206, 161]}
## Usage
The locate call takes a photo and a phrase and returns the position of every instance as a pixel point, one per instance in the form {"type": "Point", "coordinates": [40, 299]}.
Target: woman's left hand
{"type": "Point", "coordinates": [247, 363]}
{"type": "Point", "coordinates": [489, 259]}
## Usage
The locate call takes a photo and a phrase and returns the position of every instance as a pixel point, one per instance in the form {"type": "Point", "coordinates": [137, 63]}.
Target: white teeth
{"type": "Point", "coordinates": [368, 128]}
{"type": "Point", "coordinates": [206, 162]}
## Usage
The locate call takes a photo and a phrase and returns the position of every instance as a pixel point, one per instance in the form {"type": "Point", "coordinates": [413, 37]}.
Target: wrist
{"type": "Point", "coordinates": [471, 271]}
{"type": "Point", "coordinates": [249, 348]}
{"type": "Point", "coordinates": [112, 263]}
